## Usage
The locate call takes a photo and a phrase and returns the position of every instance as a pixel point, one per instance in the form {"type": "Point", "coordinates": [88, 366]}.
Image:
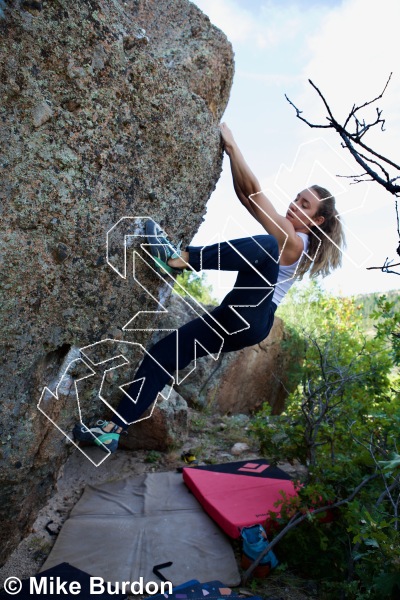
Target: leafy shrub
{"type": "Point", "coordinates": [196, 286]}
{"type": "Point", "coordinates": [341, 423]}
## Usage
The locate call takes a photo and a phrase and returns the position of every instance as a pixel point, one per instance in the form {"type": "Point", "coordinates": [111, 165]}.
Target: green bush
{"type": "Point", "coordinates": [196, 286]}
{"type": "Point", "coordinates": [341, 423]}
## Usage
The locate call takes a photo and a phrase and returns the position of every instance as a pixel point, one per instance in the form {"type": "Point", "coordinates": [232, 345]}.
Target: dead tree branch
{"type": "Point", "coordinates": [353, 140]}
{"type": "Point", "coordinates": [375, 166]}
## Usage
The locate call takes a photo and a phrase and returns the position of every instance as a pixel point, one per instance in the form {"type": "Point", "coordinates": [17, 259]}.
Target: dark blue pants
{"type": "Point", "coordinates": [225, 329]}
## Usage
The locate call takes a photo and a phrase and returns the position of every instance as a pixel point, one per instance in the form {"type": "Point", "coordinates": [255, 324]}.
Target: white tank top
{"type": "Point", "coordinates": [287, 274]}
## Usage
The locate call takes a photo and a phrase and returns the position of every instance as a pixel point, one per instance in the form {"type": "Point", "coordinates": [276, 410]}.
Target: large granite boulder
{"type": "Point", "coordinates": [109, 109]}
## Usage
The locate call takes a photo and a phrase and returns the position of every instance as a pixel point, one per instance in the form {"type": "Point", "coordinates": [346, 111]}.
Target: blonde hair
{"type": "Point", "coordinates": [326, 248]}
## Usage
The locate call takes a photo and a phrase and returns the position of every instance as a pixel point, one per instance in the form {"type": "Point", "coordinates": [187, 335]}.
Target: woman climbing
{"type": "Point", "coordinates": [308, 238]}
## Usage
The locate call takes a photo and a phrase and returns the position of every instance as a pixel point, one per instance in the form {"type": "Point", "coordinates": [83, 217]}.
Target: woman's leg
{"type": "Point", "coordinates": [244, 318]}
{"type": "Point", "coordinates": [161, 364]}
{"type": "Point", "coordinates": [256, 260]}
{"type": "Point", "coordinates": [249, 322]}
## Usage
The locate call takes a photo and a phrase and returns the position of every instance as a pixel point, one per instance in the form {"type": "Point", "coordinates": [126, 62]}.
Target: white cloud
{"type": "Point", "coordinates": [353, 53]}
{"type": "Point", "coordinates": [272, 25]}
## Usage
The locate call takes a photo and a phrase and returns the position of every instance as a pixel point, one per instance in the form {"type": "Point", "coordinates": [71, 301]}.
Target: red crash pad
{"type": "Point", "coordinates": [238, 494]}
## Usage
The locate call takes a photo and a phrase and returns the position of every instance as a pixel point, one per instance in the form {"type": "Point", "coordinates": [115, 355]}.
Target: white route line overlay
{"type": "Point", "coordinates": [127, 239]}
{"type": "Point", "coordinates": [318, 146]}
{"type": "Point", "coordinates": [47, 393]}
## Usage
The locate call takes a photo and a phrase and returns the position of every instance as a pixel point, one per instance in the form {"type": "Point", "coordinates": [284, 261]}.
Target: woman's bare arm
{"type": "Point", "coordinates": [248, 190]}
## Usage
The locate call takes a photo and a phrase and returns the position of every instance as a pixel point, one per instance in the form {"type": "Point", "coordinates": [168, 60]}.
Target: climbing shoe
{"type": "Point", "coordinates": [189, 458]}
{"type": "Point", "coordinates": [106, 440]}
{"type": "Point", "coordinates": [161, 248]}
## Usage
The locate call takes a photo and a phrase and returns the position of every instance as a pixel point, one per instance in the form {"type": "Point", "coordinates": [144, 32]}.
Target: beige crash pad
{"type": "Point", "coordinates": [121, 530]}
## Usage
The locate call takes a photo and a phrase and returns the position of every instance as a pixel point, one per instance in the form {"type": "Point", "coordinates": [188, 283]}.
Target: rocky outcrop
{"type": "Point", "coordinates": [167, 427]}
{"type": "Point", "coordinates": [251, 377]}
{"type": "Point", "coordinates": [239, 382]}
{"type": "Point", "coordinates": [109, 110]}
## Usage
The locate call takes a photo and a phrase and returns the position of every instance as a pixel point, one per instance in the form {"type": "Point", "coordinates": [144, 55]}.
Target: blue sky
{"type": "Point", "coordinates": [348, 49]}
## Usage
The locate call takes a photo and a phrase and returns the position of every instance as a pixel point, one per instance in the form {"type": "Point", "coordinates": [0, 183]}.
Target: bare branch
{"type": "Point", "coordinates": [385, 267]}
{"type": "Point", "coordinates": [323, 100]}
{"type": "Point", "coordinates": [375, 165]}
{"type": "Point", "coordinates": [388, 490]}
{"type": "Point", "coordinates": [387, 184]}
{"type": "Point", "coordinates": [356, 108]}
{"type": "Point", "coordinates": [375, 162]}
{"type": "Point", "coordinates": [398, 223]}
{"type": "Point", "coordinates": [299, 112]}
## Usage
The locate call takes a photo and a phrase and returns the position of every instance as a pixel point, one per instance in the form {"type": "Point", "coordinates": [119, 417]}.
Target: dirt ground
{"type": "Point", "coordinates": [211, 439]}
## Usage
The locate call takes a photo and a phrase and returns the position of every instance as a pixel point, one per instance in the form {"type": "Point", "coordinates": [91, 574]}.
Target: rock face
{"type": "Point", "coordinates": [252, 376]}
{"type": "Point", "coordinates": [109, 111]}
{"type": "Point", "coordinates": [239, 382]}
{"type": "Point", "coordinates": [168, 426]}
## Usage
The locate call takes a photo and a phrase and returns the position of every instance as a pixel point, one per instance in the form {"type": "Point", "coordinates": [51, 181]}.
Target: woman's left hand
{"type": "Point", "coordinates": [227, 137]}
